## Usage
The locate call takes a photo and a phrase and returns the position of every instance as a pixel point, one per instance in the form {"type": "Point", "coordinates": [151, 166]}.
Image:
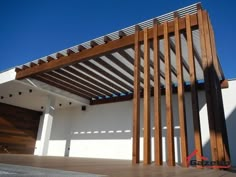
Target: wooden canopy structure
{"type": "Point", "coordinates": [172, 53]}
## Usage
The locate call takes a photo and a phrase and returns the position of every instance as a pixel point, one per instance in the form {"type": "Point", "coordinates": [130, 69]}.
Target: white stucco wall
{"type": "Point", "coordinates": [105, 131]}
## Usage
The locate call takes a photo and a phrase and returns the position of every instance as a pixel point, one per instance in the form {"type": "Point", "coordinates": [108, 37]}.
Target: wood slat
{"type": "Point", "coordinates": [169, 109]}
{"type": "Point", "coordinates": [100, 78]}
{"type": "Point", "coordinates": [131, 61]}
{"type": "Point", "coordinates": [114, 70]}
{"type": "Point", "coordinates": [136, 101]}
{"type": "Point", "coordinates": [88, 86]}
{"type": "Point", "coordinates": [58, 77]}
{"type": "Point", "coordinates": [90, 79]}
{"type": "Point", "coordinates": [157, 98]}
{"type": "Point", "coordinates": [181, 97]}
{"type": "Point", "coordinates": [146, 100]}
{"type": "Point", "coordinates": [61, 85]}
{"type": "Point", "coordinates": [124, 42]}
{"type": "Point", "coordinates": [194, 92]}
{"type": "Point", "coordinates": [108, 75]}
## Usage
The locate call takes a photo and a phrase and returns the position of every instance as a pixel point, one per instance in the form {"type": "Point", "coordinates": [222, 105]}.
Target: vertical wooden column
{"type": "Point", "coordinates": [157, 97]}
{"type": "Point", "coordinates": [220, 108]}
{"type": "Point", "coordinates": [169, 110]}
{"type": "Point", "coordinates": [181, 98]}
{"type": "Point", "coordinates": [210, 110]}
{"type": "Point", "coordinates": [194, 92]}
{"type": "Point", "coordinates": [136, 100]}
{"type": "Point", "coordinates": [146, 100]}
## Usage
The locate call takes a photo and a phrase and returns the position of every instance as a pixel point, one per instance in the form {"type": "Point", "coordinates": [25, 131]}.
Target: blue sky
{"type": "Point", "coordinates": [31, 29]}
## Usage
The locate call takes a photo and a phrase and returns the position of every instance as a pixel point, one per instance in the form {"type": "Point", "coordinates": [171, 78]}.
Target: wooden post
{"type": "Point", "coordinates": [157, 98]}
{"type": "Point", "coordinates": [169, 110]}
{"type": "Point", "coordinates": [210, 111]}
{"type": "Point", "coordinates": [194, 93]}
{"type": "Point", "coordinates": [181, 98]}
{"type": "Point", "coordinates": [146, 100]}
{"type": "Point", "coordinates": [136, 100]}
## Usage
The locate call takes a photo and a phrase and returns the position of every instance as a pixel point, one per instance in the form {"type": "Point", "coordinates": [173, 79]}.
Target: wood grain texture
{"type": "Point", "coordinates": [194, 91]}
{"type": "Point", "coordinates": [136, 101]}
{"type": "Point", "coordinates": [146, 101]}
{"type": "Point", "coordinates": [169, 109]}
{"type": "Point", "coordinates": [157, 98]}
{"type": "Point", "coordinates": [181, 96]}
{"type": "Point", "coordinates": [18, 129]}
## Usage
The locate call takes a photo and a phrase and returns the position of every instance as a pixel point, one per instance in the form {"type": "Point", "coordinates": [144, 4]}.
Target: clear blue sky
{"type": "Point", "coordinates": [31, 29]}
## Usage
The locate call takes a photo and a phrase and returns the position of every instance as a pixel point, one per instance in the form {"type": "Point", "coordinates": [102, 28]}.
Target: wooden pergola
{"type": "Point", "coordinates": [169, 54]}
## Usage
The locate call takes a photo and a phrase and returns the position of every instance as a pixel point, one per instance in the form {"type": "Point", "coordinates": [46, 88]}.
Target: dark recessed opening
{"type": "Point", "coordinates": [41, 107]}
{"type": "Point", "coordinates": [30, 90]}
{"type": "Point", "coordinates": [60, 104]}
{"type": "Point", "coordinates": [2, 97]}
{"type": "Point", "coordinates": [83, 108]}
{"type": "Point", "coordinates": [70, 103]}
{"type": "Point", "coordinates": [10, 95]}
{"type": "Point", "coordinates": [19, 93]}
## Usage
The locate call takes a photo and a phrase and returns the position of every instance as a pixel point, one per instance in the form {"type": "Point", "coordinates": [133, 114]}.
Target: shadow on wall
{"type": "Point", "coordinates": [105, 131]}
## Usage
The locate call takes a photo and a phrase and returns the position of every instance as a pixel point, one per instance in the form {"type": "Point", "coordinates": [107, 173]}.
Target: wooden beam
{"type": "Point", "coordinates": [181, 97]}
{"type": "Point", "coordinates": [194, 92]}
{"type": "Point", "coordinates": [93, 44]}
{"type": "Point", "coordinates": [169, 109]}
{"type": "Point", "coordinates": [157, 98]}
{"type": "Point", "coordinates": [90, 79]}
{"type": "Point", "coordinates": [107, 39]}
{"type": "Point", "coordinates": [41, 61]}
{"type": "Point", "coordinates": [131, 61]}
{"type": "Point", "coordinates": [49, 58]}
{"type": "Point", "coordinates": [60, 85]}
{"type": "Point", "coordinates": [59, 55]}
{"type": "Point", "coordinates": [81, 48]}
{"type": "Point", "coordinates": [58, 77]}
{"type": "Point", "coordinates": [32, 64]}
{"type": "Point", "coordinates": [113, 86]}
{"type": "Point", "coordinates": [89, 87]}
{"type": "Point", "coordinates": [146, 100]}
{"type": "Point", "coordinates": [69, 52]}
{"type": "Point", "coordinates": [114, 70]}
{"type": "Point", "coordinates": [187, 88]}
{"type": "Point", "coordinates": [136, 101]}
{"type": "Point", "coordinates": [108, 75]}
{"type": "Point", "coordinates": [210, 110]}
{"type": "Point", "coordinates": [121, 34]}
{"type": "Point", "coordinates": [100, 50]}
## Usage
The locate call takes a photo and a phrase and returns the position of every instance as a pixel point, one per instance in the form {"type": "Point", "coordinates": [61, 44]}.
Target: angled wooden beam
{"type": "Point", "coordinates": [32, 64]}
{"type": "Point", "coordinates": [59, 55]}
{"type": "Point", "coordinates": [56, 76]}
{"type": "Point", "coordinates": [93, 44]}
{"type": "Point", "coordinates": [121, 65]}
{"type": "Point", "coordinates": [91, 80]}
{"type": "Point", "coordinates": [194, 92]}
{"type": "Point", "coordinates": [100, 78]}
{"type": "Point", "coordinates": [41, 61]}
{"type": "Point", "coordinates": [108, 75]}
{"type": "Point", "coordinates": [60, 85]}
{"type": "Point", "coordinates": [121, 34]}
{"type": "Point", "coordinates": [81, 48]}
{"type": "Point", "coordinates": [25, 67]}
{"type": "Point", "coordinates": [181, 97]}
{"type": "Point", "coordinates": [124, 42]}
{"type": "Point", "coordinates": [157, 98]}
{"type": "Point", "coordinates": [169, 109]}
{"type": "Point", "coordinates": [91, 87]}
{"type": "Point", "coordinates": [136, 101]}
{"type": "Point", "coordinates": [69, 52]}
{"type": "Point", "coordinates": [49, 58]}
{"type": "Point", "coordinates": [114, 70]}
{"type": "Point", "coordinates": [107, 39]}
{"type": "Point", "coordinates": [146, 101]}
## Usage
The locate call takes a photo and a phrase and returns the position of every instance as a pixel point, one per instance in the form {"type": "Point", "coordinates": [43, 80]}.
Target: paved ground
{"type": "Point", "coordinates": [111, 168]}
{"type": "Point", "coordinates": [7, 170]}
